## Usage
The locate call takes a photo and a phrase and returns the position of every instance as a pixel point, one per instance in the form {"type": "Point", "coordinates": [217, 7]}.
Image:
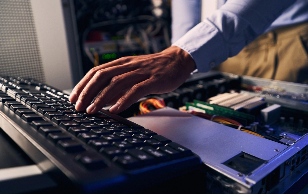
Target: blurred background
{"type": "Point", "coordinates": [57, 42]}
{"type": "Point", "coordinates": [111, 29]}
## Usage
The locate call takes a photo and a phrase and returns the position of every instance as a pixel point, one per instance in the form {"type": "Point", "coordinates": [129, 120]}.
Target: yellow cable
{"type": "Point", "coordinates": [96, 57]}
{"type": "Point", "coordinates": [251, 132]}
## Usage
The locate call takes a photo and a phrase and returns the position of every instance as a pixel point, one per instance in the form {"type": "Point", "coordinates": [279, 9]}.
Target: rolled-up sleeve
{"type": "Point", "coordinates": [229, 29]}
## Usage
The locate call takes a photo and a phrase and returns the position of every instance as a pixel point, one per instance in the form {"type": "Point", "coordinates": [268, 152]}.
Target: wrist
{"type": "Point", "coordinates": [181, 56]}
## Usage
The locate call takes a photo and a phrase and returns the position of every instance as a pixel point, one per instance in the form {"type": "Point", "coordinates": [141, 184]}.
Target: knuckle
{"type": "Point", "coordinates": [93, 70]}
{"type": "Point", "coordinates": [137, 88]}
{"type": "Point", "coordinates": [82, 96]}
{"type": "Point", "coordinates": [116, 79]}
{"type": "Point", "coordinates": [84, 93]}
{"type": "Point", "coordinates": [76, 89]}
{"type": "Point", "coordinates": [125, 59]}
{"type": "Point", "coordinates": [100, 72]}
{"type": "Point", "coordinates": [98, 100]}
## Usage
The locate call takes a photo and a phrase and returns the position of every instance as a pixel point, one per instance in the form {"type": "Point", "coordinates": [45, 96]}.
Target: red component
{"type": "Point", "coordinates": [94, 36]}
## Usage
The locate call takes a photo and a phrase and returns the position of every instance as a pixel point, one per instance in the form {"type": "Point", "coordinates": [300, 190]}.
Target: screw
{"type": "Point", "coordinates": [276, 150]}
{"type": "Point", "coordinates": [240, 174]}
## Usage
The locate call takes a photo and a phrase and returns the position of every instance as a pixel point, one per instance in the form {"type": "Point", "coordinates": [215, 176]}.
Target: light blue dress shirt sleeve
{"type": "Point", "coordinates": [228, 30]}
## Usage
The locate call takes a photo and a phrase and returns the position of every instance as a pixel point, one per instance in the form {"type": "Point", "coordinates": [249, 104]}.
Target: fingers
{"type": "Point", "coordinates": [100, 80]}
{"type": "Point", "coordinates": [133, 95]}
{"type": "Point", "coordinates": [116, 98]}
{"type": "Point", "coordinates": [117, 87]}
{"type": "Point", "coordinates": [84, 81]}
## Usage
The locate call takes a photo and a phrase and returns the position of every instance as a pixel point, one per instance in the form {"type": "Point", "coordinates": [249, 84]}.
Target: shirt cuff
{"type": "Point", "coordinates": [205, 44]}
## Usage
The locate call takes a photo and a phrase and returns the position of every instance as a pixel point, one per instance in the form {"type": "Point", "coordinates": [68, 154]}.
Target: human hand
{"type": "Point", "coordinates": [126, 80]}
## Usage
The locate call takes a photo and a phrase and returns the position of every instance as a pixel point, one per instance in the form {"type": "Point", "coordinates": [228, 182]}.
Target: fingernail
{"type": "Point", "coordinates": [78, 105]}
{"type": "Point", "coordinates": [73, 97]}
{"type": "Point", "coordinates": [90, 108]}
{"type": "Point", "coordinates": [114, 107]}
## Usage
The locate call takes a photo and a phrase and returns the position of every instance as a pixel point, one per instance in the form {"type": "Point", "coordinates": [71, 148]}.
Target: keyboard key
{"type": "Point", "coordinates": [127, 161]}
{"type": "Point", "coordinates": [14, 107]}
{"type": "Point", "coordinates": [181, 149]}
{"type": "Point", "coordinates": [77, 130]}
{"type": "Point", "coordinates": [130, 131]}
{"type": "Point", "coordinates": [55, 137]}
{"type": "Point", "coordinates": [147, 132]}
{"type": "Point", "coordinates": [112, 129]}
{"type": "Point", "coordinates": [18, 97]}
{"type": "Point", "coordinates": [87, 136]}
{"type": "Point", "coordinates": [123, 145]}
{"type": "Point", "coordinates": [73, 116]}
{"type": "Point", "coordinates": [69, 106]}
{"type": "Point", "coordinates": [66, 111]}
{"type": "Point", "coordinates": [44, 110]}
{"type": "Point", "coordinates": [91, 126]}
{"type": "Point", "coordinates": [59, 119]}
{"type": "Point", "coordinates": [58, 107]}
{"type": "Point", "coordinates": [3, 99]}
{"type": "Point", "coordinates": [40, 123]}
{"type": "Point", "coordinates": [161, 139]}
{"type": "Point", "coordinates": [135, 141]}
{"type": "Point", "coordinates": [141, 136]}
{"type": "Point", "coordinates": [9, 103]}
{"type": "Point", "coordinates": [111, 121]}
{"type": "Point", "coordinates": [71, 145]}
{"type": "Point", "coordinates": [141, 155]}
{"type": "Point", "coordinates": [99, 143]}
{"type": "Point", "coordinates": [122, 134]}
{"type": "Point", "coordinates": [37, 106]}
{"type": "Point", "coordinates": [170, 152]}
{"type": "Point", "coordinates": [31, 117]}
{"type": "Point", "coordinates": [40, 88]}
{"type": "Point", "coordinates": [84, 114]}
{"type": "Point", "coordinates": [66, 104]}
{"type": "Point", "coordinates": [111, 138]}
{"type": "Point", "coordinates": [68, 124]}
{"type": "Point", "coordinates": [14, 92]}
{"type": "Point", "coordinates": [45, 130]}
{"type": "Point", "coordinates": [100, 131]}
{"type": "Point", "coordinates": [50, 115]}
{"type": "Point", "coordinates": [5, 87]}
{"type": "Point", "coordinates": [93, 119]}
{"type": "Point", "coordinates": [20, 112]}
{"type": "Point", "coordinates": [119, 125]}
{"type": "Point", "coordinates": [91, 161]}
{"type": "Point", "coordinates": [111, 151]}
{"type": "Point", "coordinates": [25, 99]}
{"type": "Point", "coordinates": [153, 142]}
{"type": "Point", "coordinates": [103, 123]}
{"type": "Point", "coordinates": [81, 120]}
{"type": "Point", "coordinates": [101, 116]}
{"type": "Point", "coordinates": [30, 103]}
{"type": "Point", "coordinates": [50, 103]}
{"type": "Point", "coordinates": [160, 156]}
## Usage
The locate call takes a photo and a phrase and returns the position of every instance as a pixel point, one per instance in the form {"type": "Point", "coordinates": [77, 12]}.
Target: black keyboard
{"type": "Point", "coordinates": [87, 153]}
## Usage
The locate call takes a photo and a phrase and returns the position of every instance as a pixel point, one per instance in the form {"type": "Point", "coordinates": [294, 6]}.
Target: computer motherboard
{"type": "Point", "coordinates": [261, 143]}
